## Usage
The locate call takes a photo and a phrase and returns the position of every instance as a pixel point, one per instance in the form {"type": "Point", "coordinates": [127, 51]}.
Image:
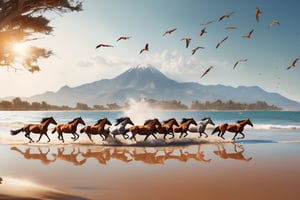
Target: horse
{"type": "Point", "coordinates": [97, 129]}
{"type": "Point", "coordinates": [70, 127]}
{"type": "Point", "coordinates": [121, 130]}
{"type": "Point", "coordinates": [235, 128]}
{"type": "Point", "coordinates": [147, 129]}
{"type": "Point", "coordinates": [167, 127]}
{"type": "Point", "coordinates": [41, 128]}
{"type": "Point", "coordinates": [184, 126]}
{"type": "Point", "coordinates": [201, 126]}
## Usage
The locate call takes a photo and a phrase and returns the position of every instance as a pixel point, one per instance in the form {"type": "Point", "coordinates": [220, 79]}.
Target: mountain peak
{"type": "Point", "coordinates": [142, 67]}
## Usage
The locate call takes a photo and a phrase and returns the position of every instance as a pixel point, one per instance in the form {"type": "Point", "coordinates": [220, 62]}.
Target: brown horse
{"type": "Point", "coordinates": [97, 129]}
{"type": "Point", "coordinates": [41, 128]}
{"type": "Point", "coordinates": [147, 129]}
{"type": "Point", "coordinates": [184, 126]}
{"type": "Point", "coordinates": [235, 128]}
{"type": "Point", "coordinates": [167, 127]}
{"type": "Point", "coordinates": [70, 127]}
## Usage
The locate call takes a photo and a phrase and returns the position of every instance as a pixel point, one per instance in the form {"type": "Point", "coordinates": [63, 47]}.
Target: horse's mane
{"type": "Point", "coordinates": [167, 121]}
{"type": "Point", "coordinates": [205, 118]}
{"type": "Point", "coordinates": [99, 121]}
{"type": "Point", "coordinates": [119, 120]}
{"type": "Point", "coordinates": [73, 120]}
{"type": "Point", "coordinates": [148, 120]}
{"type": "Point", "coordinates": [185, 120]}
{"type": "Point", "coordinates": [239, 121]}
{"type": "Point", "coordinates": [45, 119]}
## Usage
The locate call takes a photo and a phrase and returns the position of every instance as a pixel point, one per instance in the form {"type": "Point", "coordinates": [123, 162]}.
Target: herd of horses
{"type": "Point", "coordinates": [124, 125]}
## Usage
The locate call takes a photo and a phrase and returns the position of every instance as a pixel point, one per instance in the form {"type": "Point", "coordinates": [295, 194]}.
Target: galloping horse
{"type": "Point", "coordinates": [97, 129]}
{"type": "Point", "coordinates": [147, 129]}
{"type": "Point", "coordinates": [121, 130]}
{"type": "Point", "coordinates": [41, 128]}
{"type": "Point", "coordinates": [167, 127]}
{"type": "Point", "coordinates": [184, 126]}
{"type": "Point", "coordinates": [235, 128]}
{"type": "Point", "coordinates": [201, 126]}
{"type": "Point", "coordinates": [70, 127]}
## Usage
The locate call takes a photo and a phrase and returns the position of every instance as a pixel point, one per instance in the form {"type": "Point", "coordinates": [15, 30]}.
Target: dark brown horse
{"type": "Point", "coordinates": [147, 129]}
{"type": "Point", "coordinates": [97, 129]}
{"type": "Point", "coordinates": [184, 126]}
{"type": "Point", "coordinates": [41, 129]}
{"type": "Point", "coordinates": [235, 128]}
{"type": "Point", "coordinates": [70, 127]}
{"type": "Point", "coordinates": [167, 127]}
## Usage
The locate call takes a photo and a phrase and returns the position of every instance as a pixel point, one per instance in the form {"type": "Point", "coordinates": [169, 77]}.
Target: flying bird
{"type": "Point", "coordinates": [123, 38]}
{"type": "Point", "coordinates": [207, 22]}
{"type": "Point", "coordinates": [187, 41]}
{"type": "Point", "coordinates": [206, 71]}
{"type": "Point", "coordinates": [169, 31]}
{"type": "Point", "coordinates": [293, 64]}
{"type": "Point", "coordinates": [220, 42]}
{"type": "Point", "coordinates": [257, 13]}
{"type": "Point", "coordinates": [239, 61]}
{"type": "Point", "coordinates": [226, 16]}
{"type": "Point", "coordinates": [202, 32]}
{"type": "Point", "coordinates": [248, 35]}
{"type": "Point", "coordinates": [230, 27]}
{"type": "Point", "coordinates": [103, 45]}
{"type": "Point", "coordinates": [146, 48]}
{"type": "Point", "coordinates": [194, 50]}
{"type": "Point", "coordinates": [275, 21]}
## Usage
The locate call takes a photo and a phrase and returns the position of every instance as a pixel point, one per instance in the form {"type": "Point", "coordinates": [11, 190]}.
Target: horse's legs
{"type": "Point", "coordinates": [154, 136]}
{"type": "Point", "coordinates": [47, 137]}
{"type": "Point", "coordinates": [185, 134]}
{"type": "Point", "coordinates": [27, 134]}
{"type": "Point", "coordinates": [76, 136]}
{"type": "Point", "coordinates": [90, 137]}
{"type": "Point", "coordinates": [146, 138]}
{"type": "Point", "coordinates": [222, 135]}
{"type": "Point", "coordinates": [243, 135]}
{"type": "Point", "coordinates": [173, 135]}
{"type": "Point", "coordinates": [126, 136]}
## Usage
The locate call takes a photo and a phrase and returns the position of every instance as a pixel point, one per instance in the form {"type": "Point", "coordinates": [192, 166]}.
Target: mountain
{"type": "Point", "coordinates": [148, 82]}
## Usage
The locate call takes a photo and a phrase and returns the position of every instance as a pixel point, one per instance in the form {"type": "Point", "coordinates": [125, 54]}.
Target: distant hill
{"type": "Point", "coordinates": [147, 81]}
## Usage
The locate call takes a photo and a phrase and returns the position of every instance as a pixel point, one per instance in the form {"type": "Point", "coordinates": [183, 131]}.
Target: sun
{"type": "Point", "coordinates": [20, 49]}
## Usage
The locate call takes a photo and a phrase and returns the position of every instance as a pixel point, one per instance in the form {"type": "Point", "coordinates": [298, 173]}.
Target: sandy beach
{"type": "Point", "coordinates": [245, 170]}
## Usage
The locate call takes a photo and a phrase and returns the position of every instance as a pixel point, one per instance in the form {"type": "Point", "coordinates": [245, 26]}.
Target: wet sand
{"type": "Point", "coordinates": [245, 170]}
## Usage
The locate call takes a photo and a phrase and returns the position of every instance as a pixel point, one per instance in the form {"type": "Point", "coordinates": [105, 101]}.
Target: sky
{"type": "Point", "coordinates": [269, 51]}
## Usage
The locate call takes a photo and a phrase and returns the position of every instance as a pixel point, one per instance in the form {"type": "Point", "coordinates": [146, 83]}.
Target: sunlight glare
{"type": "Point", "coordinates": [20, 48]}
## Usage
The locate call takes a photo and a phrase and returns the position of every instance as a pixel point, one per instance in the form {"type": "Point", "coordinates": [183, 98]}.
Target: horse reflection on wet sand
{"type": "Point", "coordinates": [41, 129]}
{"type": "Point", "coordinates": [236, 155]}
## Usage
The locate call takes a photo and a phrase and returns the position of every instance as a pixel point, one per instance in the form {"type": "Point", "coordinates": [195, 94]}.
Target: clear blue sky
{"type": "Point", "coordinates": [269, 51]}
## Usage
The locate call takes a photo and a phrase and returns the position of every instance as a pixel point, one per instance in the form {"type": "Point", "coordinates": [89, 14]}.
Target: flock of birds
{"type": "Point", "coordinates": [203, 31]}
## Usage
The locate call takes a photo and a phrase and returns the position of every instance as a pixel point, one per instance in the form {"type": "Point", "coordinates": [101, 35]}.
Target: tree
{"type": "Point", "coordinates": [20, 22]}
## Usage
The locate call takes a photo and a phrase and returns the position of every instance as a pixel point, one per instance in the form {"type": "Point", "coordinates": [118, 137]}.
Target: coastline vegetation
{"type": "Point", "coordinates": [17, 104]}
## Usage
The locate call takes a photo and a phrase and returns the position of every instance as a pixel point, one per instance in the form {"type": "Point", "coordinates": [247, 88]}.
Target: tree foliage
{"type": "Point", "coordinates": [21, 21]}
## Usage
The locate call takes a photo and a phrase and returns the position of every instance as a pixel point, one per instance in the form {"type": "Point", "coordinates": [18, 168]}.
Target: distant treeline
{"type": "Point", "coordinates": [18, 104]}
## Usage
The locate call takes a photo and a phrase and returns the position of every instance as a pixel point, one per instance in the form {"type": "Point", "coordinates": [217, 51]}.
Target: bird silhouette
{"type": "Point", "coordinates": [194, 50]}
{"type": "Point", "coordinates": [230, 27]}
{"type": "Point", "coordinates": [146, 48]}
{"type": "Point", "coordinates": [226, 16]}
{"type": "Point", "coordinates": [221, 41]}
{"type": "Point", "coordinates": [187, 41]}
{"type": "Point", "coordinates": [239, 61]}
{"type": "Point", "coordinates": [248, 35]}
{"type": "Point", "coordinates": [206, 71]}
{"type": "Point", "coordinates": [169, 31]}
{"type": "Point", "coordinates": [293, 64]}
{"type": "Point", "coordinates": [207, 22]}
{"type": "Point", "coordinates": [257, 13]}
{"type": "Point", "coordinates": [202, 32]}
{"type": "Point", "coordinates": [123, 38]}
{"type": "Point", "coordinates": [275, 21]}
{"type": "Point", "coordinates": [103, 45]}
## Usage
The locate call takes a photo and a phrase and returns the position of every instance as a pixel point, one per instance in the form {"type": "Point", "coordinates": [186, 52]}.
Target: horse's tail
{"type": "Point", "coordinates": [54, 130]}
{"type": "Point", "coordinates": [15, 132]}
{"type": "Point", "coordinates": [217, 129]}
{"type": "Point", "coordinates": [82, 130]}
